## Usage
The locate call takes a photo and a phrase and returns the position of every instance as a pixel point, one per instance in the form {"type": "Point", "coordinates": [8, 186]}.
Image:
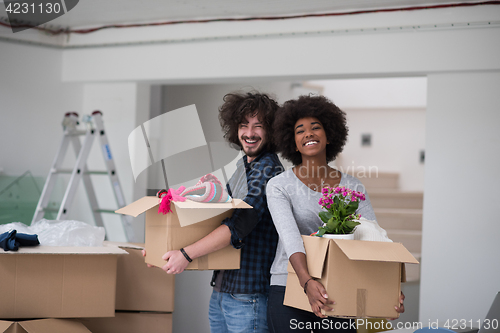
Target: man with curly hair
{"type": "Point", "coordinates": [239, 299]}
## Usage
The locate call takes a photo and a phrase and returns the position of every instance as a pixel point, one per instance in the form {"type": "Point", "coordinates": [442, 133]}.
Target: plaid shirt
{"type": "Point", "coordinates": [252, 230]}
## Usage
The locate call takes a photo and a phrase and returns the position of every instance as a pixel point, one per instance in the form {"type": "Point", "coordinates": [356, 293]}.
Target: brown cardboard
{"type": "Point", "coordinates": [363, 278]}
{"type": "Point", "coordinates": [43, 326]}
{"type": "Point", "coordinates": [138, 287]}
{"type": "Point", "coordinates": [58, 282]}
{"type": "Point", "coordinates": [188, 222]}
{"type": "Point", "coordinates": [130, 322]}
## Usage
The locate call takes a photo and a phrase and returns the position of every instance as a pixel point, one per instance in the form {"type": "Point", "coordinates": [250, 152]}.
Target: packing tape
{"type": "Point", "coordinates": [361, 303]}
{"type": "Point", "coordinates": [203, 263]}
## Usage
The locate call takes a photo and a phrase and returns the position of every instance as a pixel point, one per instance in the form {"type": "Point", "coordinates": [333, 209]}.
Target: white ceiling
{"type": "Point", "coordinates": [92, 13]}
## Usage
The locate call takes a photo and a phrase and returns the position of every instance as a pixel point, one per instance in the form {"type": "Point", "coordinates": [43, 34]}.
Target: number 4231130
{"type": "Point", "coordinates": [455, 324]}
{"type": "Point", "coordinates": [31, 8]}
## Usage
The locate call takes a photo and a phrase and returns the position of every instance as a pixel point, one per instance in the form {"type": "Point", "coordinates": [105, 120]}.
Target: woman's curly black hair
{"type": "Point", "coordinates": [238, 105]}
{"type": "Point", "coordinates": [331, 117]}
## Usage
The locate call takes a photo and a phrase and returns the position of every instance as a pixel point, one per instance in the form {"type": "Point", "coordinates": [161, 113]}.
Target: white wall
{"type": "Point", "coordinates": [399, 43]}
{"type": "Point", "coordinates": [33, 101]}
{"type": "Point", "coordinates": [376, 93]}
{"type": "Point", "coordinates": [406, 53]}
{"type": "Point", "coordinates": [460, 272]}
{"type": "Point", "coordinates": [397, 138]}
{"type": "Point", "coordinates": [392, 110]}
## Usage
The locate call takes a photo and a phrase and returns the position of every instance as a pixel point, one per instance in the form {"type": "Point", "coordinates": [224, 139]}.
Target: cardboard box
{"type": "Point", "coordinates": [188, 222]}
{"type": "Point", "coordinates": [138, 287]}
{"type": "Point", "coordinates": [363, 278]}
{"type": "Point", "coordinates": [43, 326]}
{"type": "Point", "coordinates": [131, 322]}
{"type": "Point", "coordinates": [58, 282]}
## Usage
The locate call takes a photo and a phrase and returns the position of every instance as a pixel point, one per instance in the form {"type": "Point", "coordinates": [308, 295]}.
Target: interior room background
{"type": "Point", "coordinates": [455, 120]}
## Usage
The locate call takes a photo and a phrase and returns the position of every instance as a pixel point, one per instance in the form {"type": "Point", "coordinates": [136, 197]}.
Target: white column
{"type": "Point", "coordinates": [124, 107]}
{"type": "Point", "coordinates": [460, 269]}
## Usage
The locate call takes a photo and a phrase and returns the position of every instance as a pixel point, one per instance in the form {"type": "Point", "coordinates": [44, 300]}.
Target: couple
{"type": "Point", "coordinates": [309, 132]}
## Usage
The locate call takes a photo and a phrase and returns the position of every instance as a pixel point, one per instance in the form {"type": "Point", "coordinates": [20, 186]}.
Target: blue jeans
{"type": "Point", "coordinates": [238, 313]}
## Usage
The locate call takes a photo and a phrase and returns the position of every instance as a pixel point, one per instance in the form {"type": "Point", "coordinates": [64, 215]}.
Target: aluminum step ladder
{"type": "Point", "coordinates": [94, 126]}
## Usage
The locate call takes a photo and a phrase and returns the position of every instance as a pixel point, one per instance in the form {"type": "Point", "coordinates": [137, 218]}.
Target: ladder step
{"type": "Point", "coordinates": [75, 133]}
{"type": "Point", "coordinates": [69, 171]}
{"type": "Point", "coordinates": [108, 211]}
{"type": "Point", "coordinates": [50, 209]}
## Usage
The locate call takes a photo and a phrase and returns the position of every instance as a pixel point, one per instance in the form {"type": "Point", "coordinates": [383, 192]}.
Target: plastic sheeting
{"type": "Point", "coordinates": [60, 233]}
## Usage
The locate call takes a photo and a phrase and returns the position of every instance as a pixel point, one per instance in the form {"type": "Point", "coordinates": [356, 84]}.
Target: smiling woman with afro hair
{"type": "Point", "coordinates": [310, 132]}
{"type": "Point", "coordinates": [331, 117]}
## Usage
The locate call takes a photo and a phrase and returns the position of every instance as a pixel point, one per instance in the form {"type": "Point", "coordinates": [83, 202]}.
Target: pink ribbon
{"type": "Point", "coordinates": [168, 197]}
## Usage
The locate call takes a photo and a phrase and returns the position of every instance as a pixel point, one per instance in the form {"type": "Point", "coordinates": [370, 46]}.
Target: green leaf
{"type": "Point", "coordinates": [342, 212]}
{"type": "Point", "coordinates": [325, 216]}
{"type": "Point", "coordinates": [332, 225]}
{"type": "Point", "coordinates": [351, 208]}
{"type": "Point", "coordinates": [351, 224]}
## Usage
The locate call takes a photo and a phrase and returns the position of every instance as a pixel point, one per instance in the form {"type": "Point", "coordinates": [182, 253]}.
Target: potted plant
{"type": "Point", "coordinates": [339, 218]}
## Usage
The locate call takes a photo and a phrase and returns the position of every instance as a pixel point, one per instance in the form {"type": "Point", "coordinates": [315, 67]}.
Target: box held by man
{"type": "Point", "coordinates": [187, 223]}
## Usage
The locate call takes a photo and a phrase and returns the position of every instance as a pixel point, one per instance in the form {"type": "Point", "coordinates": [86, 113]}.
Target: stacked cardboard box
{"type": "Point", "coordinates": [131, 322]}
{"type": "Point", "coordinates": [56, 282]}
{"type": "Point", "coordinates": [144, 297]}
{"type": "Point", "coordinates": [43, 326]}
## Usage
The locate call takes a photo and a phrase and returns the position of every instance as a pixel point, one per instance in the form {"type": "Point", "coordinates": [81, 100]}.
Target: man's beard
{"type": "Point", "coordinates": [254, 152]}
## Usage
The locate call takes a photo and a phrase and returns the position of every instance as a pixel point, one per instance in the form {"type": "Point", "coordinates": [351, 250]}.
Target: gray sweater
{"type": "Point", "coordinates": [294, 208]}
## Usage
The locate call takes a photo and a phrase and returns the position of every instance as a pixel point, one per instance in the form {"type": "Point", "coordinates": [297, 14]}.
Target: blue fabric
{"type": "Point", "coordinates": [252, 230]}
{"type": "Point", "coordinates": [242, 313]}
{"type": "Point", "coordinates": [11, 240]}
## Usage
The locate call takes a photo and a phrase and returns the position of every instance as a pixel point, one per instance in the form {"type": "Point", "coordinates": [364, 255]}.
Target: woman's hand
{"type": "Point", "coordinates": [318, 298]}
{"type": "Point", "coordinates": [176, 262]}
{"type": "Point", "coordinates": [401, 307]}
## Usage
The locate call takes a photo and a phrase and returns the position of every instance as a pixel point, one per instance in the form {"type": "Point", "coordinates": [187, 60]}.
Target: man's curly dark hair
{"type": "Point", "coordinates": [331, 117]}
{"type": "Point", "coordinates": [238, 105]}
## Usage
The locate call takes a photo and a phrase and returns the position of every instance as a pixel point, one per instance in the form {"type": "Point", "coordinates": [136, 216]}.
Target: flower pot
{"type": "Point", "coordinates": [339, 236]}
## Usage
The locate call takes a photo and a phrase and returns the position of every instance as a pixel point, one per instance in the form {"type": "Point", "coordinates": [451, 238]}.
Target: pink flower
{"type": "Point", "coordinates": [353, 198]}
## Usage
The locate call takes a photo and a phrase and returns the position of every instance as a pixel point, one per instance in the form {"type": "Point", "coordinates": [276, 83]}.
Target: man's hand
{"type": "Point", "coordinates": [318, 298]}
{"type": "Point", "coordinates": [176, 262]}
{"type": "Point", "coordinates": [144, 254]}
